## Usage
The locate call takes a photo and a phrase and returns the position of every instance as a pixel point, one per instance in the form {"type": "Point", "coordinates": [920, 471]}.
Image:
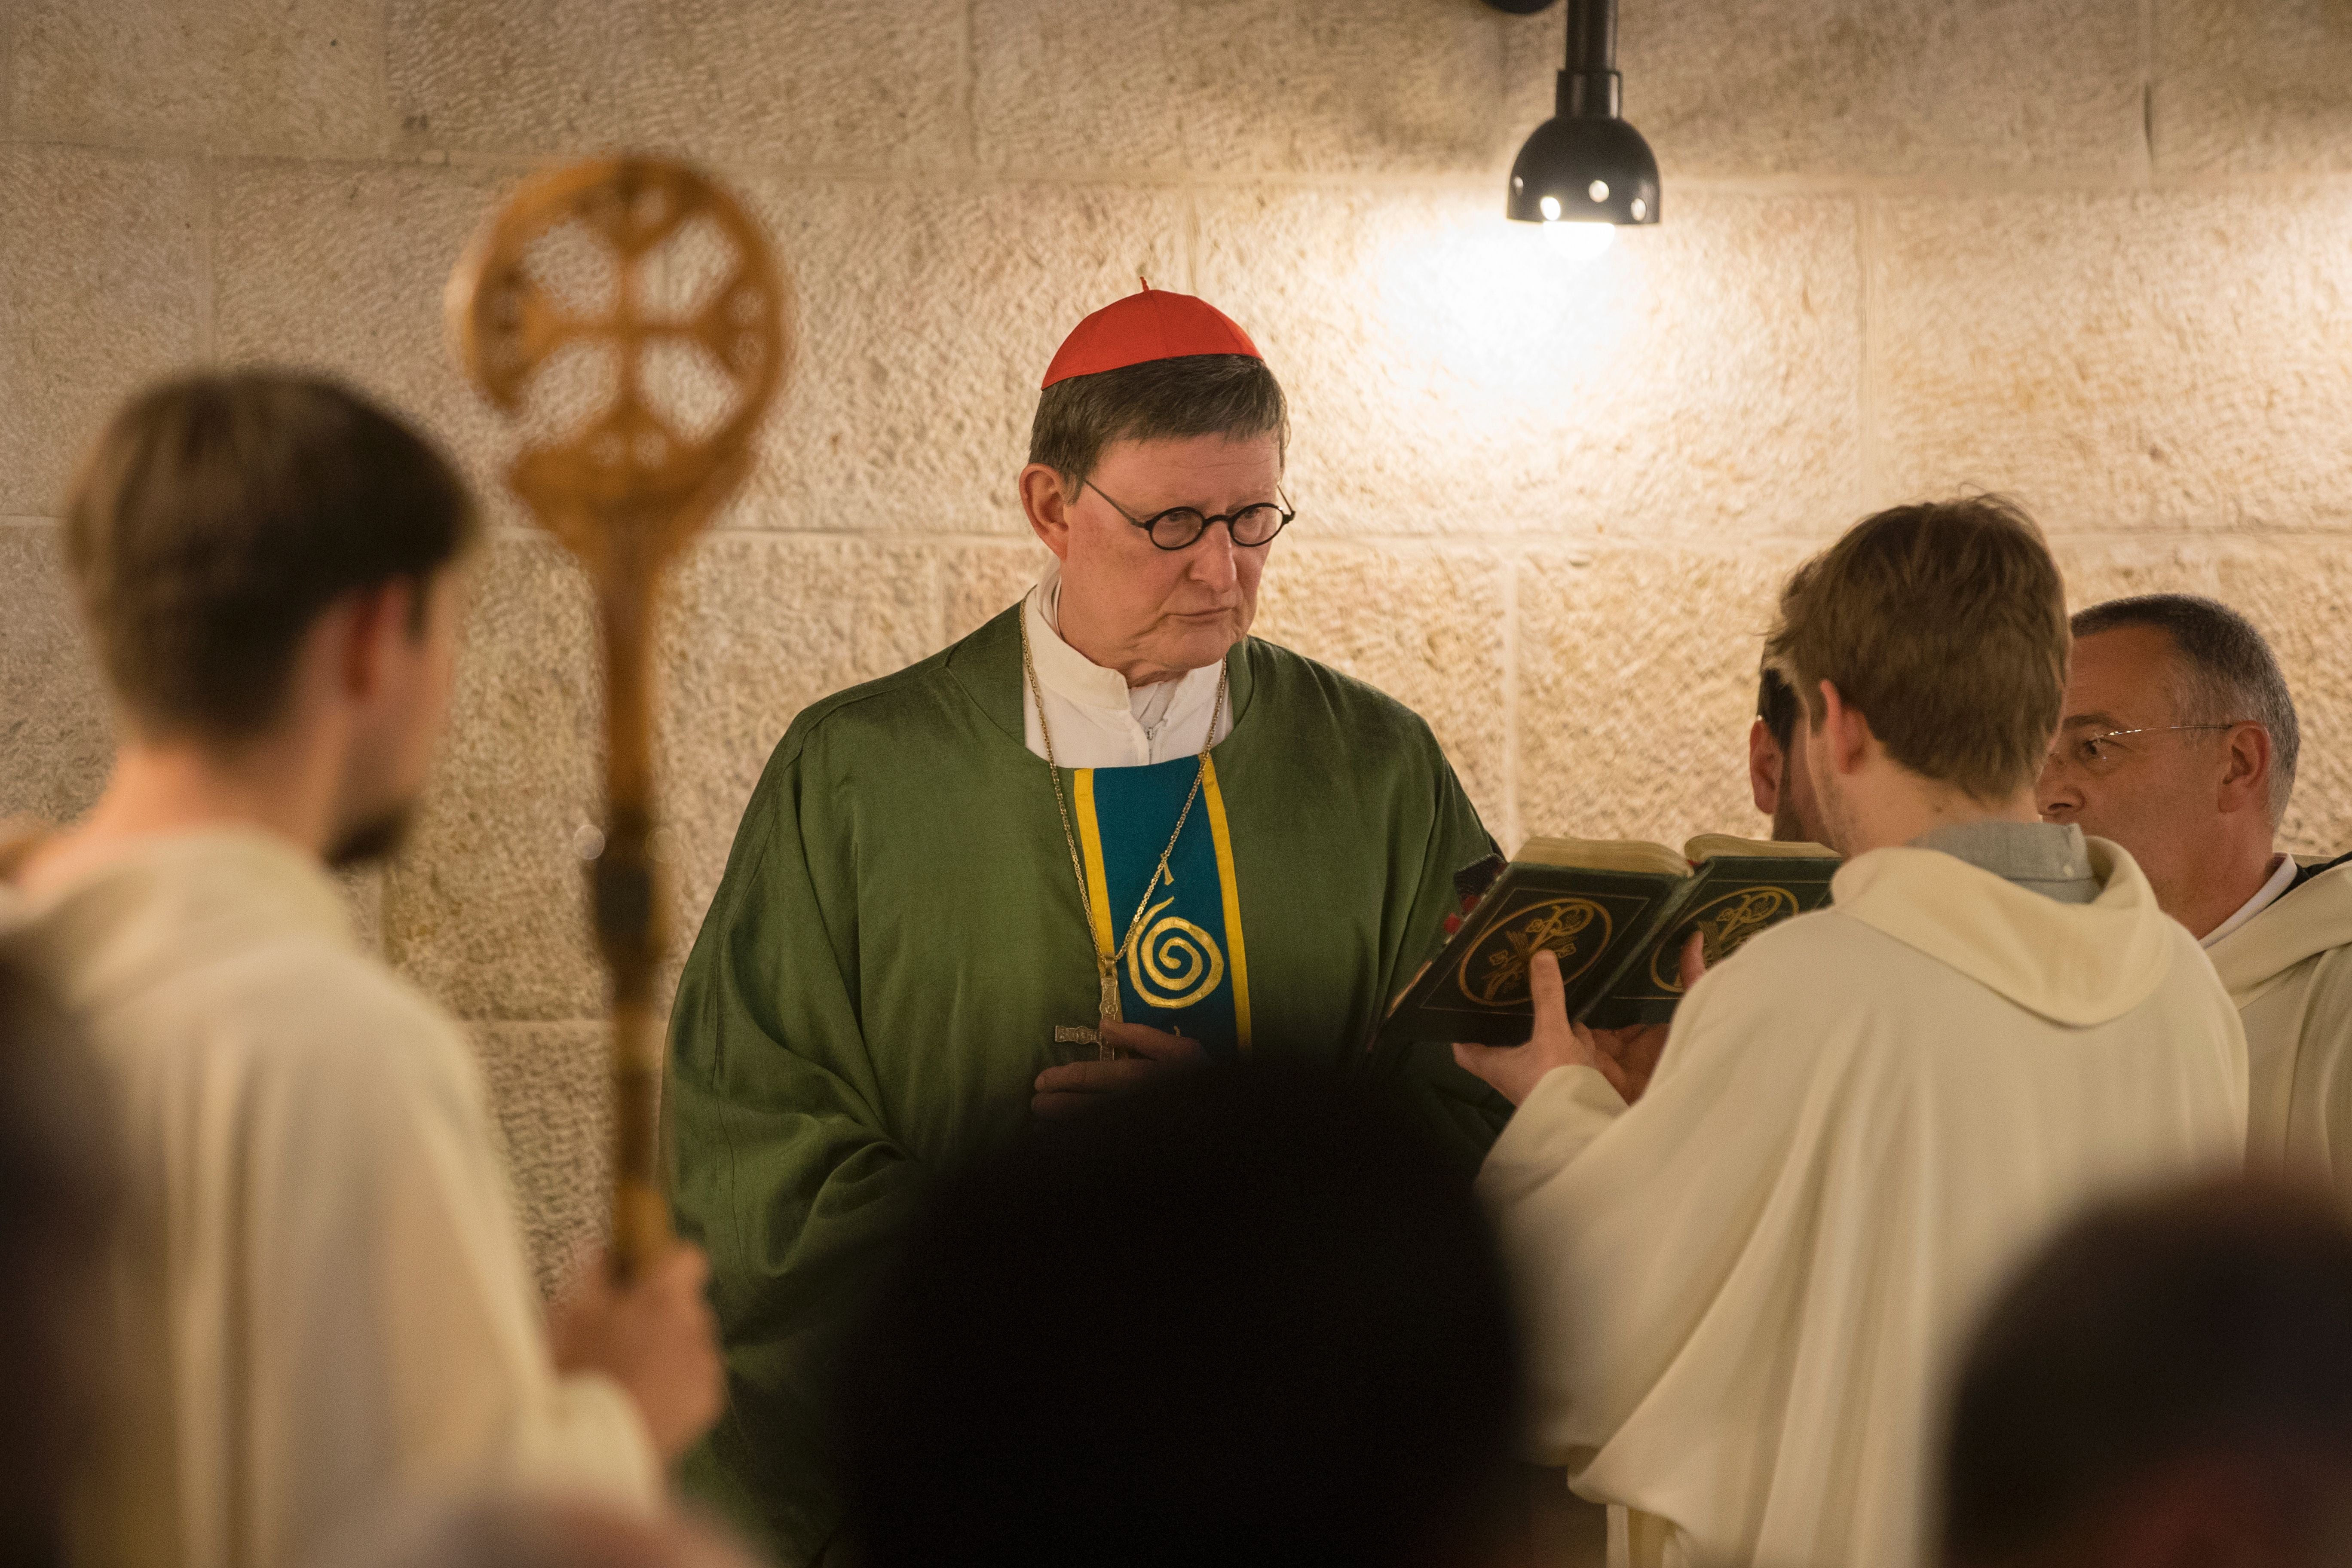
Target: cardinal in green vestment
{"type": "Point", "coordinates": [1109, 835]}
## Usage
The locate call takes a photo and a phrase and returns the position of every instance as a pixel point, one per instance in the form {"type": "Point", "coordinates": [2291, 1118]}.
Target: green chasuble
{"type": "Point", "coordinates": [899, 930]}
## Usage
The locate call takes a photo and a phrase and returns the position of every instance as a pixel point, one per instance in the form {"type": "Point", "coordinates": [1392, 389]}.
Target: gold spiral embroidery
{"type": "Point", "coordinates": [1174, 963]}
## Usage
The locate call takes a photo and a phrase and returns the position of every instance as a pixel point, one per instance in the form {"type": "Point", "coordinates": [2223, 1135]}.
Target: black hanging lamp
{"type": "Point", "coordinates": [1585, 173]}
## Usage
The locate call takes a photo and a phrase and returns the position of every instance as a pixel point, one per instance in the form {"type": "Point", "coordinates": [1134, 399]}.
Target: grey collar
{"type": "Point", "coordinates": [2047, 857]}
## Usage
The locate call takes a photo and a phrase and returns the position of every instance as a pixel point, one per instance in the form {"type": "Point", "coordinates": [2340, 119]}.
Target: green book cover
{"type": "Point", "coordinates": [1617, 912]}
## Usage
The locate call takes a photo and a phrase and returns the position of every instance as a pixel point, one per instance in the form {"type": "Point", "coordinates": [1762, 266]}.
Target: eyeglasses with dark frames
{"type": "Point", "coordinates": [1178, 528]}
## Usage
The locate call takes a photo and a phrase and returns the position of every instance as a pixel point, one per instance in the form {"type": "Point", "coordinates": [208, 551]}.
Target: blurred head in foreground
{"type": "Point", "coordinates": [1242, 1316]}
{"type": "Point", "coordinates": [56, 1204]}
{"type": "Point", "coordinates": [2168, 1384]}
{"type": "Point", "coordinates": [543, 1532]}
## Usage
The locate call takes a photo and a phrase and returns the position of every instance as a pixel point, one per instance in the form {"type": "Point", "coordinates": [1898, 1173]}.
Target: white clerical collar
{"type": "Point", "coordinates": [2281, 879]}
{"type": "Point", "coordinates": [1072, 676]}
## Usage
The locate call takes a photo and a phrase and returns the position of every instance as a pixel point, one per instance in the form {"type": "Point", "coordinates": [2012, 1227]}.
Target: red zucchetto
{"type": "Point", "coordinates": [1148, 325]}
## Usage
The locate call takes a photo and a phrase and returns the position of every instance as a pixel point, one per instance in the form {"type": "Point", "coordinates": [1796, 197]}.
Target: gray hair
{"type": "Point", "coordinates": [1192, 394]}
{"type": "Point", "coordinates": [2227, 673]}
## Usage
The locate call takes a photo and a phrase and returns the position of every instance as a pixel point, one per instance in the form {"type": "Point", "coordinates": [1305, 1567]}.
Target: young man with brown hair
{"type": "Point", "coordinates": [2180, 743]}
{"type": "Point", "coordinates": [1747, 1271]}
{"type": "Point", "coordinates": [320, 1298]}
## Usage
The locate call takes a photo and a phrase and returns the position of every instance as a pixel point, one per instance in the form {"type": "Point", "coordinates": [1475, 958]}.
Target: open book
{"type": "Point", "coordinates": [1618, 912]}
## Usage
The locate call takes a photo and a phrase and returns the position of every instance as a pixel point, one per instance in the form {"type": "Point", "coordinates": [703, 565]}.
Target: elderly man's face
{"type": "Point", "coordinates": [2157, 793]}
{"type": "Point", "coordinates": [1151, 613]}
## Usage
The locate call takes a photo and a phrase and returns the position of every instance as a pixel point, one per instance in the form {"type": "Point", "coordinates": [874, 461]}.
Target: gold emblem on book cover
{"type": "Point", "coordinates": [1726, 923]}
{"type": "Point", "coordinates": [1494, 972]}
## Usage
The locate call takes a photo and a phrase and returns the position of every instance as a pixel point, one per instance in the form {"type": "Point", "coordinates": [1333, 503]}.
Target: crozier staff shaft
{"type": "Point", "coordinates": [628, 915]}
{"type": "Point", "coordinates": [625, 486]}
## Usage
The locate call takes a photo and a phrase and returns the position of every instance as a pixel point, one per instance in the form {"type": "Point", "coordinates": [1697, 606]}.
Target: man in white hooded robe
{"type": "Point", "coordinates": [1752, 1245]}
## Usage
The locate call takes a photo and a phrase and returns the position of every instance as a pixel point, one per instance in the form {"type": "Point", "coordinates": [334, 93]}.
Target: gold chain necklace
{"type": "Point", "coordinates": [1107, 963]}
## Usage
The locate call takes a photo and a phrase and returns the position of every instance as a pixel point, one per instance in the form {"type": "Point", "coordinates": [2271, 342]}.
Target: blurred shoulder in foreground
{"type": "Point", "coordinates": [523, 1530]}
{"type": "Point", "coordinates": [57, 1198]}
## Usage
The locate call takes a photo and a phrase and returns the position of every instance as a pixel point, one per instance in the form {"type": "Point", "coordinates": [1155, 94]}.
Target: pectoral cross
{"type": "Point", "coordinates": [1107, 967]}
{"type": "Point", "coordinates": [1078, 1034]}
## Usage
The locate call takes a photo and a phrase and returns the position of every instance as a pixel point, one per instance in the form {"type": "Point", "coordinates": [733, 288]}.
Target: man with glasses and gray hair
{"type": "Point", "coordinates": [1106, 835]}
{"type": "Point", "coordinates": [2180, 743]}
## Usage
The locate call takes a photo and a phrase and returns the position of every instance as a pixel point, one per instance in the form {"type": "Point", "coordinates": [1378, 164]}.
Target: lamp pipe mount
{"type": "Point", "coordinates": [1590, 88]}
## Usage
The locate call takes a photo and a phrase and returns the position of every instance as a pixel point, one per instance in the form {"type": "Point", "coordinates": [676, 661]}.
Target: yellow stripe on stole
{"type": "Point", "coordinates": [1082, 785]}
{"type": "Point", "coordinates": [1234, 956]}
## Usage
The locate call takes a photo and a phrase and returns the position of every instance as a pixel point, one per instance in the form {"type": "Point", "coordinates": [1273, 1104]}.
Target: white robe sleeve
{"type": "Point", "coordinates": [394, 1340]}
{"type": "Point", "coordinates": [1658, 1202]}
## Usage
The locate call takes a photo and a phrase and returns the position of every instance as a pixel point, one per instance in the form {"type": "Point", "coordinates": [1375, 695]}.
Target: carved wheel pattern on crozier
{"type": "Point", "coordinates": [630, 466]}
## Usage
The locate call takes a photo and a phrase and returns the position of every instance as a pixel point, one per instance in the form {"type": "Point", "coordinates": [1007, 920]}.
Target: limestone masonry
{"type": "Point", "coordinates": [2094, 253]}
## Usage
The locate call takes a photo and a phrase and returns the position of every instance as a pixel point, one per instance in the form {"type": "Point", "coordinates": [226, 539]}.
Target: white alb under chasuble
{"type": "Point", "coordinates": [1098, 720]}
{"type": "Point", "coordinates": [1744, 1292]}
{"type": "Point", "coordinates": [321, 1297]}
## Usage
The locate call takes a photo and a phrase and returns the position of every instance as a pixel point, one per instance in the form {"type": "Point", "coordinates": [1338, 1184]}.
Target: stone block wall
{"type": "Point", "coordinates": [2095, 253]}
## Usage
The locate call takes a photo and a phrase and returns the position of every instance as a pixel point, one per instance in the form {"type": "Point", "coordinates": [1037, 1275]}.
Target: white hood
{"type": "Point", "coordinates": [2077, 964]}
{"type": "Point", "coordinates": [164, 905]}
{"type": "Point", "coordinates": [2312, 919]}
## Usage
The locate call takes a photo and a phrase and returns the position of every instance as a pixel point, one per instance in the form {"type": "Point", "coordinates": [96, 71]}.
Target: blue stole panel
{"type": "Point", "coordinates": [1189, 970]}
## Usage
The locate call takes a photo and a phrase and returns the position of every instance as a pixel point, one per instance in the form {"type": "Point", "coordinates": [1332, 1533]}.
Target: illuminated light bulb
{"type": "Point", "coordinates": [1597, 190]}
{"type": "Point", "coordinates": [1549, 208]}
{"type": "Point", "coordinates": [1641, 209]}
{"type": "Point", "coordinates": [1580, 241]}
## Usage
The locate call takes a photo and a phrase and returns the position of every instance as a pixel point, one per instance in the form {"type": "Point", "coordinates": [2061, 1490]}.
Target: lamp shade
{"type": "Point", "coordinates": [1577, 170]}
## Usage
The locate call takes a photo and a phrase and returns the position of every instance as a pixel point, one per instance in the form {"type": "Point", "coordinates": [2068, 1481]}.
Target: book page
{"type": "Point", "coordinates": [1635, 855]}
{"type": "Point", "coordinates": [1708, 846]}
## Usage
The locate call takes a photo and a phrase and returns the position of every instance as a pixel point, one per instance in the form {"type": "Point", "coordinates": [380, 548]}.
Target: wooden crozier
{"type": "Point", "coordinates": [625, 488]}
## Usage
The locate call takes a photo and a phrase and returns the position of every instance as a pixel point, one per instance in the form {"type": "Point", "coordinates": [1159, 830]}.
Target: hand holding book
{"type": "Point", "coordinates": [1626, 1057]}
{"type": "Point", "coordinates": [1632, 1052]}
